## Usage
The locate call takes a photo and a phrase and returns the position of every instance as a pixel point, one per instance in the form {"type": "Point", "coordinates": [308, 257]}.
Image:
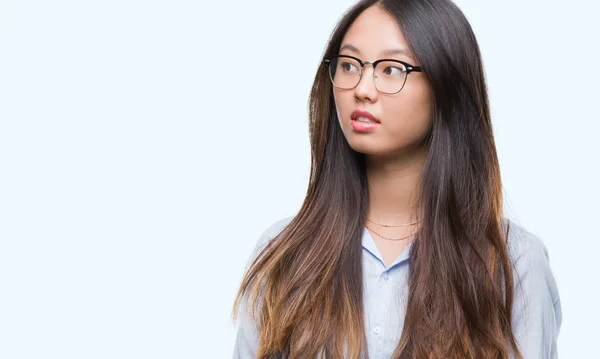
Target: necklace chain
{"type": "Point", "coordinates": [391, 239]}
{"type": "Point", "coordinates": [400, 225]}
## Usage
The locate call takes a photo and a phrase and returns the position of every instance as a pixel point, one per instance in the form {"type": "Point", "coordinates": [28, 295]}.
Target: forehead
{"type": "Point", "coordinates": [373, 33]}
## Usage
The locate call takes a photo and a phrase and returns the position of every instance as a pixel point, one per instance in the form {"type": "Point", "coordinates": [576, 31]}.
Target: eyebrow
{"type": "Point", "coordinates": [397, 51]}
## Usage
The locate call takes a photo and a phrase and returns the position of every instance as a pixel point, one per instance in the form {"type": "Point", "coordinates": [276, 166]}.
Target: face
{"type": "Point", "coordinates": [404, 117]}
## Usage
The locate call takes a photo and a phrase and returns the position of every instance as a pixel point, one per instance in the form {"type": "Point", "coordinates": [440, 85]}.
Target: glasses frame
{"type": "Point", "coordinates": [409, 68]}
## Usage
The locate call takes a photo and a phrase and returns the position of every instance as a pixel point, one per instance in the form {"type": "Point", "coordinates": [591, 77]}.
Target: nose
{"type": "Point", "coordinates": [366, 90]}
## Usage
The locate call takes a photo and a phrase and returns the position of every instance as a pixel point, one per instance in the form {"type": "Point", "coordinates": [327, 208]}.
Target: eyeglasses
{"type": "Point", "coordinates": [390, 75]}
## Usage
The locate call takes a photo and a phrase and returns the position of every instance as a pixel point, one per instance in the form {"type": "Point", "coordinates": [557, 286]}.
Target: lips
{"type": "Point", "coordinates": [363, 113]}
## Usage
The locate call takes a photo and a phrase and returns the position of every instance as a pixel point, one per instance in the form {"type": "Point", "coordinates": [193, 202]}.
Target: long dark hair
{"type": "Point", "coordinates": [306, 284]}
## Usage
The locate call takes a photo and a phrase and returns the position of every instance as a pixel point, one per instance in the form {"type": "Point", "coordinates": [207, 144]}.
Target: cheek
{"type": "Point", "coordinates": [340, 101]}
{"type": "Point", "coordinates": [343, 104]}
{"type": "Point", "coordinates": [410, 117]}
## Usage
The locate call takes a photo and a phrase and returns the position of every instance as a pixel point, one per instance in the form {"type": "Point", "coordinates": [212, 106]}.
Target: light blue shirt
{"type": "Point", "coordinates": [386, 292]}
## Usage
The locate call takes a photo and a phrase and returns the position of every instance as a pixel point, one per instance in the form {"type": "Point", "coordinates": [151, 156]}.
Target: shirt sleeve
{"type": "Point", "coordinates": [537, 313]}
{"type": "Point", "coordinates": [246, 341]}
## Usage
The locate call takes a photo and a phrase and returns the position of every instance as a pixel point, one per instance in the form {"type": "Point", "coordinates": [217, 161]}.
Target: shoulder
{"type": "Point", "coordinates": [273, 230]}
{"type": "Point", "coordinates": [270, 232]}
{"type": "Point", "coordinates": [527, 250]}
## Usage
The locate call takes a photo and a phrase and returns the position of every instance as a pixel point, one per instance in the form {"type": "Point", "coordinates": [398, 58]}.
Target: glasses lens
{"type": "Point", "coordinates": [390, 76]}
{"type": "Point", "coordinates": [344, 72]}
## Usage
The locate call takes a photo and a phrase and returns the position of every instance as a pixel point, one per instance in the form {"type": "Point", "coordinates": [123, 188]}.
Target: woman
{"type": "Point", "coordinates": [400, 249]}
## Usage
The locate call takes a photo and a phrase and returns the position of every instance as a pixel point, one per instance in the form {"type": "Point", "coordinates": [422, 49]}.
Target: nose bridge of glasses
{"type": "Point", "coordinates": [372, 63]}
{"type": "Point", "coordinates": [364, 69]}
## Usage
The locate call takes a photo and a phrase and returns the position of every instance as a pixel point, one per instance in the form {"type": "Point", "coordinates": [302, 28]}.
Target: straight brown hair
{"type": "Point", "coordinates": [306, 284]}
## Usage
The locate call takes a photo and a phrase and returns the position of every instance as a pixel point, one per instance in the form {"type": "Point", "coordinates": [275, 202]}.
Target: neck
{"type": "Point", "coordinates": [393, 184]}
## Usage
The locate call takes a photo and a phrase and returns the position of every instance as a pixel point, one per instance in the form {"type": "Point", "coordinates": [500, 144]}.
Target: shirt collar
{"type": "Point", "coordinates": [369, 244]}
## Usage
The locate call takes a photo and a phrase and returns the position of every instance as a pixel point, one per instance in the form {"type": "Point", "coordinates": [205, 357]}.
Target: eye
{"type": "Point", "coordinates": [394, 71]}
{"type": "Point", "coordinates": [348, 66]}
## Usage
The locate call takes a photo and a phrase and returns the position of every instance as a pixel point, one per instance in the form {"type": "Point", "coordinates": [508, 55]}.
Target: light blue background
{"type": "Point", "coordinates": [145, 145]}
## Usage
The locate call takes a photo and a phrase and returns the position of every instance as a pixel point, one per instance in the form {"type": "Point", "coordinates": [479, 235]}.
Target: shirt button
{"type": "Point", "coordinates": [385, 276]}
{"type": "Point", "coordinates": [376, 329]}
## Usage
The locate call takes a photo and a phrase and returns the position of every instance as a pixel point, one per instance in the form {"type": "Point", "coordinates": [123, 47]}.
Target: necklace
{"type": "Point", "coordinates": [391, 239]}
{"type": "Point", "coordinates": [387, 225]}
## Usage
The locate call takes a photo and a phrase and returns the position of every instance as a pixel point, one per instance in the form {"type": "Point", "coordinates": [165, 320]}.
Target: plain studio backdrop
{"type": "Point", "coordinates": [145, 145]}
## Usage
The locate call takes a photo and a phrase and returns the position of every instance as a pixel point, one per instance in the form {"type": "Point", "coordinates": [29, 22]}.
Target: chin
{"type": "Point", "coordinates": [367, 146]}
